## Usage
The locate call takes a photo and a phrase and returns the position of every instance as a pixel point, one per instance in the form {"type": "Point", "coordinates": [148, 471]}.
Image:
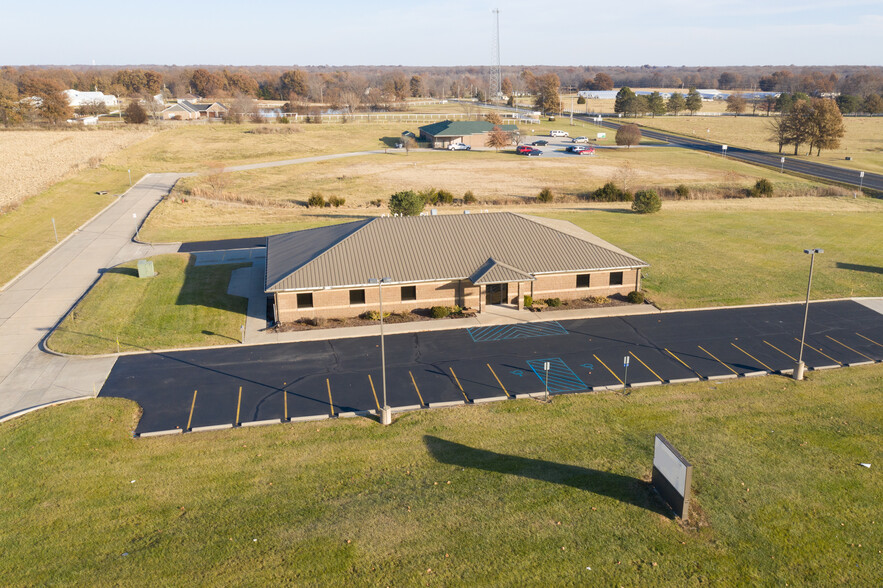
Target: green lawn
{"type": "Point", "coordinates": [26, 233]}
{"type": "Point", "coordinates": [725, 257]}
{"type": "Point", "coordinates": [512, 494]}
{"type": "Point", "coordinates": [183, 306]}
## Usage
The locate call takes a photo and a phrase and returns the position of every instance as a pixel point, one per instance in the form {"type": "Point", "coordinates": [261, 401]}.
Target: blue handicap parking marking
{"type": "Point", "coordinates": [588, 366]}
{"type": "Point", "coordinates": [517, 331]}
{"type": "Point", "coordinates": [518, 373]}
{"type": "Point", "coordinates": [561, 377]}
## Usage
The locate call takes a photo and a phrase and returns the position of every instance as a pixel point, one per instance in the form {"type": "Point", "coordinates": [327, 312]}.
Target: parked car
{"type": "Point", "coordinates": [579, 149]}
{"type": "Point", "coordinates": [580, 140]}
{"type": "Point", "coordinates": [534, 153]}
{"type": "Point", "coordinates": [459, 147]}
{"type": "Point", "coordinates": [559, 134]}
{"type": "Point", "coordinates": [540, 143]}
{"type": "Point", "coordinates": [586, 151]}
{"type": "Point", "coordinates": [523, 149]}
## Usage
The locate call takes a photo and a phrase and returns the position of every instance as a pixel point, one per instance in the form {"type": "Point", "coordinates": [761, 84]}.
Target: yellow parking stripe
{"type": "Point", "coordinates": [373, 391]}
{"type": "Point", "coordinates": [608, 369]}
{"type": "Point", "coordinates": [238, 404]}
{"type": "Point", "coordinates": [413, 381]}
{"type": "Point", "coordinates": [498, 381]}
{"type": "Point", "coordinates": [848, 347]}
{"type": "Point", "coordinates": [646, 366]}
{"type": "Point", "coordinates": [192, 406]}
{"type": "Point", "coordinates": [779, 350]}
{"type": "Point", "coordinates": [719, 361]}
{"type": "Point", "coordinates": [871, 340]}
{"type": "Point", "coordinates": [819, 351]}
{"type": "Point", "coordinates": [285, 400]}
{"type": "Point", "coordinates": [460, 386]}
{"type": "Point", "coordinates": [331, 402]}
{"type": "Point", "coordinates": [683, 362]}
{"type": "Point", "coordinates": [752, 357]}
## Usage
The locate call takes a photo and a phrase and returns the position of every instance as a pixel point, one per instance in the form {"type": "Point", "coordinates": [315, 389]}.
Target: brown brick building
{"type": "Point", "coordinates": [468, 260]}
{"type": "Point", "coordinates": [473, 133]}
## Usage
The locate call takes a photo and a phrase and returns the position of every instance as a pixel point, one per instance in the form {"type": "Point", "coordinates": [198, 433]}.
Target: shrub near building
{"type": "Point", "coordinates": [646, 202]}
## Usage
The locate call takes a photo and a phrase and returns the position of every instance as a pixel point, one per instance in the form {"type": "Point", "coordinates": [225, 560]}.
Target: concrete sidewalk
{"type": "Point", "coordinates": [33, 304]}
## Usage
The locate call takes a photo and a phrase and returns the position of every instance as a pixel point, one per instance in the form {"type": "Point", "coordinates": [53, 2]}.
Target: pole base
{"type": "Point", "coordinates": [798, 373]}
{"type": "Point", "coordinates": [386, 416]}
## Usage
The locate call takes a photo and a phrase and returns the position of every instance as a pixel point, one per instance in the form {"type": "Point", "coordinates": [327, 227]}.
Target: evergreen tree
{"type": "Point", "coordinates": [693, 101]}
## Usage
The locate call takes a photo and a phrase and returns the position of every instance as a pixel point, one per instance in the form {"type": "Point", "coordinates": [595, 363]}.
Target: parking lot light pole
{"type": "Point", "coordinates": [386, 411]}
{"type": "Point", "coordinates": [798, 373]}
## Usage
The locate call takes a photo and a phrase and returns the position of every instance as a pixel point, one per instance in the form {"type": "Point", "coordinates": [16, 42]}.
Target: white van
{"type": "Point", "coordinates": [558, 134]}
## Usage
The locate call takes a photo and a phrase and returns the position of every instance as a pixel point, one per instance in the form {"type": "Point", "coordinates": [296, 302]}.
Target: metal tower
{"type": "Point", "coordinates": [496, 81]}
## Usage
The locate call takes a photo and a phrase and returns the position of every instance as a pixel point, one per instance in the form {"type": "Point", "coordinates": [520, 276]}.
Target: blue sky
{"type": "Point", "coordinates": [445, 32]}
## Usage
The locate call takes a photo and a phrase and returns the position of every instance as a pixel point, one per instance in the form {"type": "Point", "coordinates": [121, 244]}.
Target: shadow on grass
{"type": "Point", "coordinates": [872, 269]}
{"type": "Point", "coordinates": [206, 285]}
{"type": "Point", "coordinates": [623, 488]}
{"type": "Point", "coordinates": [123, 271]}
{"type": "Point", "coordinates": [390, 141]}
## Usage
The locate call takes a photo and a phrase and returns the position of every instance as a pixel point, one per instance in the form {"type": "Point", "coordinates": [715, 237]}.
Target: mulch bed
{"type": "Point", "coordinates": [419, 314]}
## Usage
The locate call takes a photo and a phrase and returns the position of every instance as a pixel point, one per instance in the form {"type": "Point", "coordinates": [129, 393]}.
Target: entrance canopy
{"type": "Point", "coordinates": [496, 272]}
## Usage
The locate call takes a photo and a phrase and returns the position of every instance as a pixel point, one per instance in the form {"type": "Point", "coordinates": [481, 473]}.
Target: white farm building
{"type": "Point", "coordinates": [77, 98]}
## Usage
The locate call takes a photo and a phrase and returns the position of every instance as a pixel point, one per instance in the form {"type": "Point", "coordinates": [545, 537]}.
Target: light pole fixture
{"type": "Point", "coordinates": [386, 411]}
{"type": "Point", "coordinates": [798, 373]}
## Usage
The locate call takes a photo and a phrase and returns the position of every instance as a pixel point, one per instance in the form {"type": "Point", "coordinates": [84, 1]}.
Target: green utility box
{"type": "Point", "coordinates": [145, 268]}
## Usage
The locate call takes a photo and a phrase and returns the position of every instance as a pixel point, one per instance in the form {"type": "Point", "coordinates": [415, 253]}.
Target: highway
{"type": "Point", "coordinates": [851, 177]}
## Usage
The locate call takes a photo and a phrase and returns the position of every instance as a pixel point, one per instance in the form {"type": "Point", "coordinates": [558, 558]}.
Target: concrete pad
{"type": "Point", "coordinates": [683, 380]}
{"type": "Point", "coordinates": [489, 399]}
{"type": "Point", "coordinates": [754, 374]}
{"type": "Point", "coordinates": [444, 404]}
{"type": "Point", "coordinates": [209, 428]}
{"type": "Point", "coordinates": [240, 282]}
{"type": "Point", "coordinates": [304, 419]}
{"type": "Point", "coordinates": [724, 377]}
{"type": "Point", "coordinates": [825, 367]}
{"type": "Point", "coordinates": [855, 363]}
{"type": "Point", "coordinates": [788, 372]}
{"type": "Point", "coordinates": [261, 423]}
{"type": "Point", "coordinates": [161, 433]}
{"type": "Point", "coordinates": [644, 384]}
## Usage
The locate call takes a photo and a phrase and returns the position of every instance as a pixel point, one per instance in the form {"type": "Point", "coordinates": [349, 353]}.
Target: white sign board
{"type": "Point", "coordinates": [669, 465]}
{"type": "Point", "coordinates": [602, 135]}
{"type": "Point", "coordinates": [861, 174]}
{"type": "Point", "coordinates": [625, 361]}
{"type": "Point", "coordinates": [724, 147]}
{"type": "Point", "coordinates": [546, 366]}
{"type": "Point", "coordinates": [672, 476]}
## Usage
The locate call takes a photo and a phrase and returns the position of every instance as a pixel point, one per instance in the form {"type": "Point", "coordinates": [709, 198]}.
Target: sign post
{"type": "Point", "coordinates": [546, 369]}
{"type": "Point", "coordinates": [782, 167]}
{"type": "Point", "coordinates": [672, 476]}
{"type": "Point", "coordinates": [625, 378]}
{"type": "Point", "coordinates": [861, 180]}
{"type": "Point", "coordinates": [724, 149]}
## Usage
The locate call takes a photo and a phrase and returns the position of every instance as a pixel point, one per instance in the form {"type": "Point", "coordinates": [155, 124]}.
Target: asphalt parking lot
{"type": "Point", "coordinates": [557, 145]}
{"type": "Point", "coordinates": [240, 386]}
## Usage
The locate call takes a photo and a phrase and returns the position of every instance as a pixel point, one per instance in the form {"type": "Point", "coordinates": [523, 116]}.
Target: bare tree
{"type": "Point", "coordinates": [498, 138]}
{"type": "Point", "coordinates": [628, 135]}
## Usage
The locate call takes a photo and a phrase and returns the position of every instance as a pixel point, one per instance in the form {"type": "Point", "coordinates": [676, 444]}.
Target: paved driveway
{"type": "Point", "coordinates": [321, 379]}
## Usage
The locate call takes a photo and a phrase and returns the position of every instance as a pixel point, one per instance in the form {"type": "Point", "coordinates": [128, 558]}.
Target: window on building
{"type": "Point", "coordinates": [357, 297]}
{"type": "Point", "coordinates": [305, 300]}
{"type": "Point", "coordinates": [616, 278]}
{"type": "Point", "coordinates": [409, 293]}
{"type": "Point", "coordinates": [582, 280]}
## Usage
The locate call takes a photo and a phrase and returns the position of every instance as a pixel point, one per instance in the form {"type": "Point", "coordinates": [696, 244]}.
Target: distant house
{"type": "Point", "coordinates": [185, 110]}
{"type": "Point", "coordinates": [85, 120]}
{"type": "Point", "coordinates": [468, 260]}
{"type": "Point", "coordinates": [470, 132]}
{"type": "Point", "coordinates": [77, 98]}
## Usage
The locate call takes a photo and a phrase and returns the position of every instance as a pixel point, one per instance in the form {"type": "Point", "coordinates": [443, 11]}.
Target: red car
{"type": "Point", "coordinates": [523, 149]}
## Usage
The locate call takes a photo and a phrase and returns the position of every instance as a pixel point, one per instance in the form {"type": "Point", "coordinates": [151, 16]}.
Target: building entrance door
{"type": "Point", "coordinates": [496, 293]}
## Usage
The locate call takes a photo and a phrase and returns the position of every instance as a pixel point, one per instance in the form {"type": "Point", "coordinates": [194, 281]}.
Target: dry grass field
{"type": "Point", "coordinates": [863, 140]}
{"type": "Point", "coordinates": [31, 161]}
{"type": "Point", "coordinates": [494, 178]}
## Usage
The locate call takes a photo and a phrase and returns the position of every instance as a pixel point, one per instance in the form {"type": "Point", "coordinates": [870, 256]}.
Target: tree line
{"type": "Point", "coordinates": [816, 123]}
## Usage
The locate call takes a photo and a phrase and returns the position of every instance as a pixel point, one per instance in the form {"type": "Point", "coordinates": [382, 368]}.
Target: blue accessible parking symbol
{"type": "Point", "coordinates": [561, 377]}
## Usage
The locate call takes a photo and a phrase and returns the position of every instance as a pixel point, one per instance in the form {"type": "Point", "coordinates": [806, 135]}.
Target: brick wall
{"type": "Point", "coordinates": [564, 285]}
{"type": "Point", "coordinates": [336, 303]}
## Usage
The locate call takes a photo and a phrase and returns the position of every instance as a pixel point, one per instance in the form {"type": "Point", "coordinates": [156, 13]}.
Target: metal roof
{"type": "Point", "coordinates": [434, 248]}
{"type": "Point", "coordinates": [462, 128]}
